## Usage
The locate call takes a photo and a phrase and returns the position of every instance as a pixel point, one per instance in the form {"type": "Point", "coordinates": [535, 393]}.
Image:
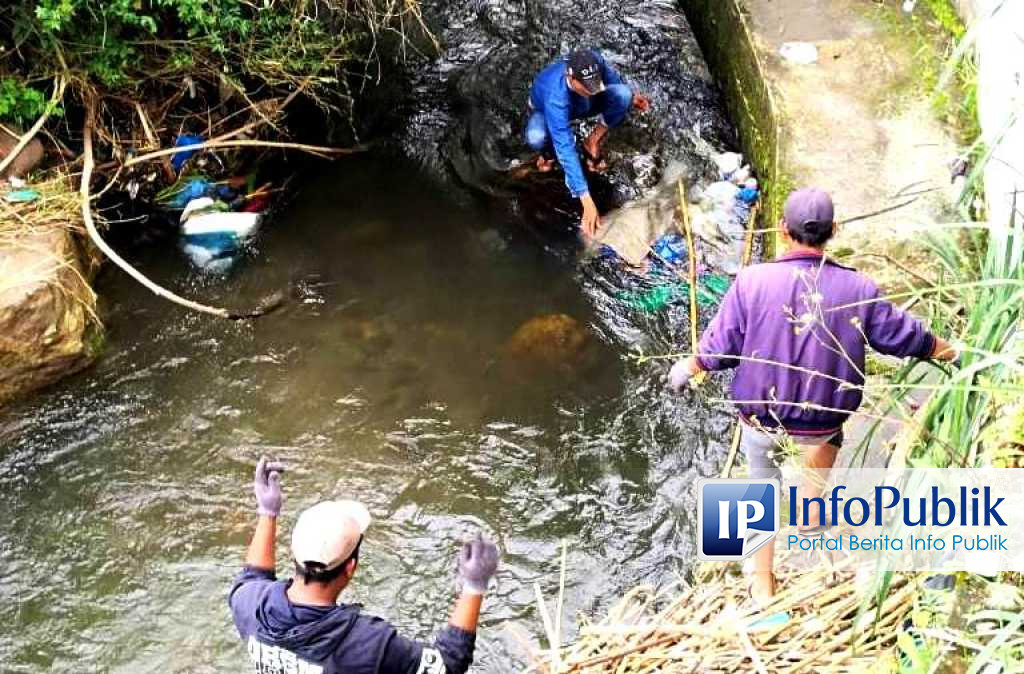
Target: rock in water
{"type": "Point", "coordinates": [551, 343]}
{"type": "Point", "coordinates": [46, 308]}
{"type": "Point", "coordinates": [28, 159]}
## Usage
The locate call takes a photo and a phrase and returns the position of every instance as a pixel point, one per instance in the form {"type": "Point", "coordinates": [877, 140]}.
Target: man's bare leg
{"type": "Point", "coordinates": [818, 462]}
{"type": "Point", "coordinates": [762, 586]}
{"type": "Point", "coordinates": [593, 147]}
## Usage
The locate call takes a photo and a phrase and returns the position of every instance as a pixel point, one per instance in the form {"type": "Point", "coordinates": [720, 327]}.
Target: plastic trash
{"type": "Point", "coordinates": [216, 225]}
{"type": "Point", "coordinates": [739, 176]}
{"type": "Point", "coordinates": [197, 206]}
{"type": "Point", "coordinates": [178, 159]}
{"type": "Point", "coordinates": [748, 195]}
{"type": "Point", "coordinates": [193, 188]}
{"type": "Point", "coordinates": [650, 301]}
{"type": "Point", "coordinates": [710, 290]}
{"type": "Point", "coordinates": [719, 194]}
{"type": "Point", "coordinates": [213, 236]}
{"type": "Point", "coordinates": [716, 284]}
{"type": "Point", "coordinates": [774, 620]}
{"type": "Point", "coordinates": [21, 196]}
{"type": "Point", "coordinates": [256, 204]}
{"type": "Point", "coordinates": [728, 163]}
{"type": "Point", "coordinates": [799, 53]}
{"type": "Point", "coordinates": [730, 223]}
{"type": "Point", "coordinates": [671, 248]}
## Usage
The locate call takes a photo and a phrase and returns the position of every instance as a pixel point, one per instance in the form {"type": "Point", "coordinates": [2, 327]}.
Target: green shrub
{"type": "Point", "coordinates": [19, 103]}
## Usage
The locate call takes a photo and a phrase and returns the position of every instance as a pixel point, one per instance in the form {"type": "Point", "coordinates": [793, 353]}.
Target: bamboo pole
{"type": "Point", "coordinates": [691, 248]}
{"type": "Point", "coordinates": [733, 448]}
{"type": "Point", "coordinates": [748, 254]}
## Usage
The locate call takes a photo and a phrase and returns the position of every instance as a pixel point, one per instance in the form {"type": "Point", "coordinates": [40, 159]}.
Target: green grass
{"type": "Point", "coordinates": [938, 69]}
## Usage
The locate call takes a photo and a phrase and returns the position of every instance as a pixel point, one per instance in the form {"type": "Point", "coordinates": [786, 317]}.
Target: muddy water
{"type": "Point", "coordinates": [125, 493]}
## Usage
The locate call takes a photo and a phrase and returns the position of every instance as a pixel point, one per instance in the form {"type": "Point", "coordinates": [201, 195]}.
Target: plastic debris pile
{"type": "Point", "coordinates": [720, 213]}
{"type": "Point", "coordinates": [219, 218]}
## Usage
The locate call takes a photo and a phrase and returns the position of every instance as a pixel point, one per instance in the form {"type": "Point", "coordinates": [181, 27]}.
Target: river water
{"type": "Point", "coordinates": [126, 492]}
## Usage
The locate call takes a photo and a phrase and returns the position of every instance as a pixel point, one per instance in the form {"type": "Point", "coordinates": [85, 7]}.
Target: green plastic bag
{"type": "Point", "coordinates": [710, 290]}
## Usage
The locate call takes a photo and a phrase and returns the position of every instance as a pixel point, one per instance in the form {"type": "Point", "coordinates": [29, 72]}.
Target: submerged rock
{"type": "Point", "coordinates": [46, 310]}
{"type": "Point", "coordinates": [550, 343]}
{"type": "Point", "coordinates": [27, 160]}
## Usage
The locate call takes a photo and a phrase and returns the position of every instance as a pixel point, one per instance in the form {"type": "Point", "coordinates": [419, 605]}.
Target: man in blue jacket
{"type": "Point", "coordinates": [297, 626]}
{"type": "Point", "coordinates": [797, 331]}
{"type": "Point", "coordinates": [580, 86]}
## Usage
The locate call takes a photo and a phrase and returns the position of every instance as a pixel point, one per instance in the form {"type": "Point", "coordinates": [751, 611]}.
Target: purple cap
{"type": "Point", "coordinates": [809, 211]}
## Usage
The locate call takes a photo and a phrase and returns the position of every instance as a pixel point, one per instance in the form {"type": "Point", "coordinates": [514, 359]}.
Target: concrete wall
{"type": "Point", "coordinates": [997, 27]}
{"type": "Point", "coordinates": [725, 38]}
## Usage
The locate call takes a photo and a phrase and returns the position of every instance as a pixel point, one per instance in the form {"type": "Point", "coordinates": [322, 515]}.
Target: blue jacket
{"type": "Point", "coordinates": [551, 95]}
{"type": "Point", "coordinates": [811, 313]}
{"type": "Point", "coordinates": [284, 637]}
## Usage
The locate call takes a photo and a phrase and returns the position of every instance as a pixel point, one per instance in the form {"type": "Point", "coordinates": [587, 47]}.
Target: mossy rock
{"type": "Point", "coordinates": [549, 343]}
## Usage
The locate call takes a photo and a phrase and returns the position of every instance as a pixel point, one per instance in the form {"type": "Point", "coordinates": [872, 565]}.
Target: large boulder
{"type": "Point", "coordinates": [47, 330]}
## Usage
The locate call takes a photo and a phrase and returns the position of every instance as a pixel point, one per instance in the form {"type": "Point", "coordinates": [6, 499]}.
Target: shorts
{"type": "Point", "coordinates": [764, 448]}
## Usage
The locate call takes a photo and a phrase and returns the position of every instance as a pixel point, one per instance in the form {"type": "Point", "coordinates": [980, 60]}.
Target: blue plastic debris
{"type": "Point", "coordinates": [178, 159]}
{"type": "Point", "coordinates": [21, 196]}
{"type": "Point", "coordinates": [770, 622]}
{"type": "Point", "coordinates": [193, 188]}
{"type": "Point", "coordinates": [671, 248]}
{"type": "Point", "coordinates": [748, 195]}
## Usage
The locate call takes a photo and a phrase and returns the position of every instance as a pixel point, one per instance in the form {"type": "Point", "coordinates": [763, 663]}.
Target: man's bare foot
{"type": "Point", "coordinates": [545, 165]}
{"type": "Point", "coordinates": [762, 588]}
{"type": "Point", "coordinates": [592, 148]}
{"type": "Point", "coordinates": [597, 164]}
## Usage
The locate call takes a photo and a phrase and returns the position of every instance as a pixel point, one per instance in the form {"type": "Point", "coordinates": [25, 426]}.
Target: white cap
{"type": "Point", "coordinates": [329, 532]}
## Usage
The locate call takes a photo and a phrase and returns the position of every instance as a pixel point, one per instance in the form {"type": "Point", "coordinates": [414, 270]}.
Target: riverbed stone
{"type": "Point", "coordinates": [552, 342]}
{"type": "Point", "coordinates": [47, 309]}
{"type": "Point", "coordinates": [28, 159]}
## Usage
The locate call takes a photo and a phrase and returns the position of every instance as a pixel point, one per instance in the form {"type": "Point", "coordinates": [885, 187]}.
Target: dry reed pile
{"type": "Point", "coordinates": [26, 237]}
{"type": "Point", "coordinates": [56, 205]}
{"type": "Point", "coordinates": [825, 620]}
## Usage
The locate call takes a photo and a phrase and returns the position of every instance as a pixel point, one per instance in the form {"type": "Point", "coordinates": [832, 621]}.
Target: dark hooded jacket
{"type": "Point", "coordinates": [286, 638]}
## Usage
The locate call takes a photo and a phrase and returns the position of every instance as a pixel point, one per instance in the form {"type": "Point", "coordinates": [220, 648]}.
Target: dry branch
{"type": "Point", "coordinates": [210, 144]}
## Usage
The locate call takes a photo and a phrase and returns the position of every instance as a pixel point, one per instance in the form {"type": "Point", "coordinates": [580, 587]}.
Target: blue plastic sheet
{"type": "Point", "coordinates": [178, 159]}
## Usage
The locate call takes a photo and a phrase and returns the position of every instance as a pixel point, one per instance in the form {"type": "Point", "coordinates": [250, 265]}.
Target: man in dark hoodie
{"type": "Point", "coordinates": [297, 626]}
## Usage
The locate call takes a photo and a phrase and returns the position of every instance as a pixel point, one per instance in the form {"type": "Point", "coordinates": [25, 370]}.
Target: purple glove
{"type": "Point", "coordinates": [478, 561]}
{"type": "Point", "coordinates": [267, 487]}
{"type": "Point", "coordinates": [679, 376]}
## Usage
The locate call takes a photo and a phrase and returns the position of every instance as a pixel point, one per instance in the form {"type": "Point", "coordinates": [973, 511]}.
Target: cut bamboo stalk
{"type": "Point", "coordinates": [691, 249]}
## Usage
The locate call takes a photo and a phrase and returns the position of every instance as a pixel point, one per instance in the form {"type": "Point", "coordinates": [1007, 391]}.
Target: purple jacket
{"type": "Point", "coordinates": [812, 313]}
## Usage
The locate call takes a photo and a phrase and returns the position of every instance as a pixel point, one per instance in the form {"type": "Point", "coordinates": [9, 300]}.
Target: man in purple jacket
{"type": "Point", "coordinates": [297, 626]}
{"type": "Point", "coordinates": [796, 330]}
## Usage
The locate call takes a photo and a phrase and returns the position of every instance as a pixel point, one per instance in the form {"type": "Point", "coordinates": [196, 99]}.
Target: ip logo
{"type": "Point", "coordinates": [735, 517]}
